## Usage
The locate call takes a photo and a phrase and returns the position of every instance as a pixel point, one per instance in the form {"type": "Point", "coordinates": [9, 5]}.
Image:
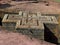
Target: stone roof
{"type": "Point", "coordinates": [25, 20]}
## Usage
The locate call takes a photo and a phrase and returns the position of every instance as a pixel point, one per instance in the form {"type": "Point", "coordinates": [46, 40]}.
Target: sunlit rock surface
{"type": "Point", "coordinates": [10, 38]}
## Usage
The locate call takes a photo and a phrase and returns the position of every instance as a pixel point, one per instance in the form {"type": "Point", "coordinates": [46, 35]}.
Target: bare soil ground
{"type": "Point", "coordinates": [10, 38]}
{"type": "Point", "coordinates": [53, 8]}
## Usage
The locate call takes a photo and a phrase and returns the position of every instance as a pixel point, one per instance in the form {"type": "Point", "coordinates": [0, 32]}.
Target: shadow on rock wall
{"type": "Point", "coordinates": [4, 6]}
{"type": "Point", "coordinates": [0, 21]}
{"type": "Point", "coordinates": [49, 36]}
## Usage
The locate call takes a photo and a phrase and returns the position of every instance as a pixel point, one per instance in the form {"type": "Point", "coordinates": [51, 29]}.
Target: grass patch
{"type": "Point", "coordinates": [57, 0]}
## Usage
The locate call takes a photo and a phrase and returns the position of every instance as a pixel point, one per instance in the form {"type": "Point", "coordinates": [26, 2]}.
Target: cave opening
{"type": "Point", "coordinates": [49, 36]}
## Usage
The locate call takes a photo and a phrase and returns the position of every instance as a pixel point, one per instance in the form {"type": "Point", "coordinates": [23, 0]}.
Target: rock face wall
{"type": "Point", "coordinates": [31, 24]}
